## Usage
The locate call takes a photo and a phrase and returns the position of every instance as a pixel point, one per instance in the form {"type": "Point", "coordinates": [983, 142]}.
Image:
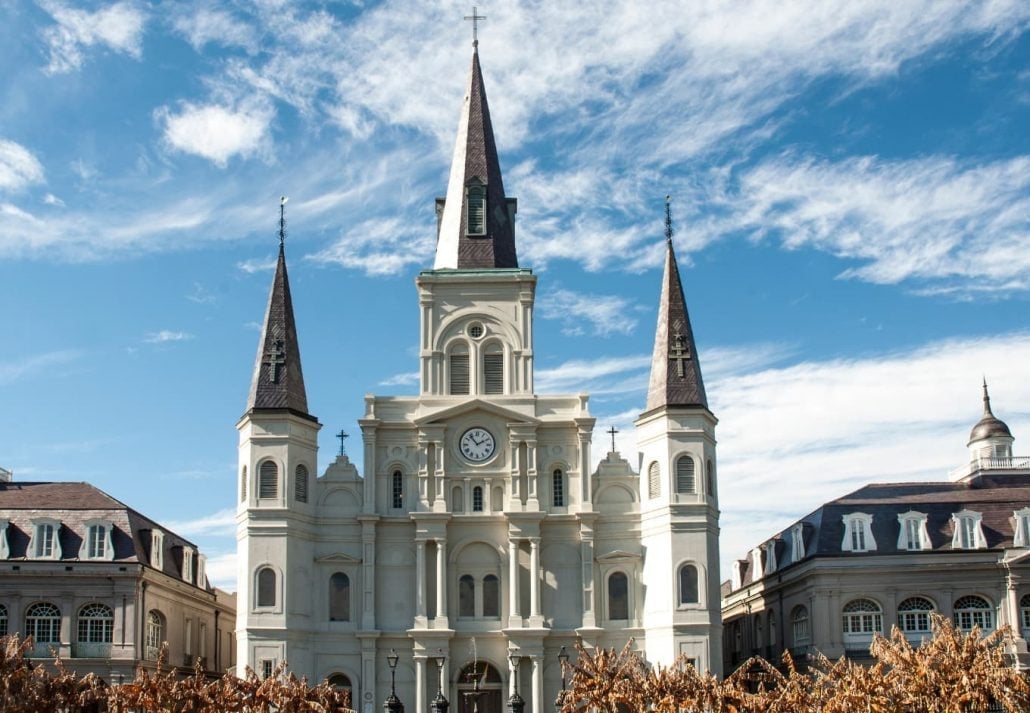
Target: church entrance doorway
{"type": "Point", "coordinates": [480, 689]}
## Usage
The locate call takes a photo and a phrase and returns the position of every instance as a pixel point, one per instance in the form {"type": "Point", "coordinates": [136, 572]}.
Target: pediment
{"type": "Point", "coordinates": [449, 412]}
{"type": "Point", "coordinates": [617, 556]}
{"type": "Point", "coordinates": [337, 558]}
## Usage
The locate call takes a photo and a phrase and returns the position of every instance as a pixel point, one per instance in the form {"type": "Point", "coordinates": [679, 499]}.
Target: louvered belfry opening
{"type": "Point", "coordinates": [459, 371]}
{"type": "Point", "coordinates": [493, 370]}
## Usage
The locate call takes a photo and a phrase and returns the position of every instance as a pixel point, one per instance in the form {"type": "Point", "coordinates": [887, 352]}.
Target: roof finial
{"type": "Point", "coordinates": [475, 17]}
{"type": "Point", "coordinates": [282, 219]}
{"type": "Point", "coordinates": [668, 219]}
{"type": "Point", "coordinates": [987, 399]}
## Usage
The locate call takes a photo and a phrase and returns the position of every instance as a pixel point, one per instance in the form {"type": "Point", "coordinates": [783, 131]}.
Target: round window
{"type": "Point", "coordinates": [475, 330]}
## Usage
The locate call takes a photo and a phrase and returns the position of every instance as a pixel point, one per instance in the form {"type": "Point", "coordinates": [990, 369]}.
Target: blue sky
{"type": "Point", "coordinates": [851, 194]}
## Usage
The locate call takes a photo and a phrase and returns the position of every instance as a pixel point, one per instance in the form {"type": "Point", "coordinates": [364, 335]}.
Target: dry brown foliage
{"type": "Point", "coordinates": [951, 672]}
{"type": "Point", "coordinates": [25, 688]}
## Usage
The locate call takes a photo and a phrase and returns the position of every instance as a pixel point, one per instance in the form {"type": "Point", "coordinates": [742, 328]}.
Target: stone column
{"type": "Point", "coordinates": [368, 437]}
{"type": "Point", "coordinates": [538, 685]}
{"type": "Point", "coordinates": [420, 583]}
{"type": "Point", "coordinates": [514, 617]}
{"type": "Point", "coordinates": [534, 582]}
{"type": "Point", "coordinates": [586, 489]}
{"type": "Point", "coordinates": [420, 684]}
{"type": "Point", "coordinates": [586, 553]}
{"type": "Point", "coordinates": [441, 584]}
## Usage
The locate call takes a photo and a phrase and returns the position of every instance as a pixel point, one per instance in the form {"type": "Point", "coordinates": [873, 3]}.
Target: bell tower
{"type": "Point", "coordinates": [679, 502]}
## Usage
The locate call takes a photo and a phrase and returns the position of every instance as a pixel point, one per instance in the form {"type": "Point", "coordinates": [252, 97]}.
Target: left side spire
{"type": "Point", "coordinates": [278, 382]}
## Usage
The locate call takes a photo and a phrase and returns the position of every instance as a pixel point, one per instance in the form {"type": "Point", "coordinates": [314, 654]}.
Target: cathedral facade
{"type": "Point", "coordinates": [477, 539]}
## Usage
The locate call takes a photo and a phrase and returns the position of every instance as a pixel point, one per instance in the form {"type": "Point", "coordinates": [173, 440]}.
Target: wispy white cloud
{"type": "Point", "coordinates": [602, 375]}
{"type": "Point", "coordinates": [207, 25]}
{"type": "Point", "coordinates": [932, 218]}
{"type": "Point", "coordinates": [118, 27]}
{"type": "Point", "coordinates": [221, 569]}
{"type": "Point", "coordinates": [379, 246]}
{"type": "Point", "coordinates": [406, 379]}
{"type": "Point", "coordinates": [18, 166]}
{"type": "Point", "coordinates": [257, 265]}
{"type": "Point", "coordinates": [602, 314]}
{"type": "Point", "coordinates": [217, 133]}
{"type": "Point", "coordinates": [166, 335]}
{"type": "Point", "coordinates": [51, 199]}
{"type": "Point", "coordinates": [12, 370]}
{"type": "Point", "coordinates": [222, 522]}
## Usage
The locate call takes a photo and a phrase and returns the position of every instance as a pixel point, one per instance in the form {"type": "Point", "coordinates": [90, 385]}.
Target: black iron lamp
{"type": "Point", "coordinates": [440, 704]}
{"type": "Point", "coordinates": [515, 703]}
{"type": "Point", "coordinates": [563, 661]}
{"type": "Point", "coordinates": [393, 703]}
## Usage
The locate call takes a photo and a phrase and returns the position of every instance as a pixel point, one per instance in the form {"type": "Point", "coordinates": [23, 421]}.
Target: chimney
{"type": "Point", "coordinates": [6, 476]}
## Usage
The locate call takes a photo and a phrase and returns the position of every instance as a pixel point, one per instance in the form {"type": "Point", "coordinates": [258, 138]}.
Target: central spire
{"type": "Point", "coordinates": [476, 228]}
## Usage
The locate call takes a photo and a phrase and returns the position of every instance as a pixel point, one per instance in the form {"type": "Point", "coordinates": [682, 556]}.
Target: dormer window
{"type": "Point", "coordinates": [858, 533]}
{"type": "Point", "coordinates": [968, 531]}
{"type": "Point", "coordinates": [97, 543]}
{"type": "Point", "coordinates": [737, 575]}
{"type": "Point", "coordinates": [770, 557]}
{"type": "Point", "coordinates": [475, 199]}
{"type": "Point", "coordinates": [756, 564]}
{"type": "Point", "coordinates": [912, 533]}
{"type": "Point", "coordinates": [187, 564]}
{"type": "Point", "coordinates": [45, 542]}
{"type": "Point", "coordinates": [157, 547]}
{"type": "Point", "coordinates": [1022, 534]}
{"type": "Point", "coordinates": [797, 543]}
{"type": "Point", "coordinates": [201, 577]}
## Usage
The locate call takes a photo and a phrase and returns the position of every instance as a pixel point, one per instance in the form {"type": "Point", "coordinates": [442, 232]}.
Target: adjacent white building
{"type": "Point", "coordinates": [477, 525]}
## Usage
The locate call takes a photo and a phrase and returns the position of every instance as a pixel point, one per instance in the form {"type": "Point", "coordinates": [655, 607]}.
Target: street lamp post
{"type": "Point", "coordinates": [440, 704]}
{"type": "Point", "coordinates": [393, 703]}
{"type": "Point", "coordinates": [515, 703]}
{"type": "Point", "coordinates": [563, 661]}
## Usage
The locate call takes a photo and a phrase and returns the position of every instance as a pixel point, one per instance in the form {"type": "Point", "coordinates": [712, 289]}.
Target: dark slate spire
{"type": "Point", "coordinates": [490, 244]}
{"type": "Point", "coordinates": [675, 370]}
{"type": "Point", "coordinates": [989, 426]}
{"type": "Point", "coordinates": [278, 381]}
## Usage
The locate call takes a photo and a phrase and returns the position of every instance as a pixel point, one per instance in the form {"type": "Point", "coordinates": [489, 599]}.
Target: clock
{"type": "Point", "coordinates": [477, 444]}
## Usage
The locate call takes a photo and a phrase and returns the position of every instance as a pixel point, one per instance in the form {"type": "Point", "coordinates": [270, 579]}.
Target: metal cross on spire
{"type": "Point", "coordinates": [612, 431]}
{"type": "Point", "coordinates": [668, 219]}
{"type": "Point", "coordinates": [475, 17]}
{"type": "Point", "coordinates": [342, 435]}
{"type": "Point", "coordinates": [282, 219]}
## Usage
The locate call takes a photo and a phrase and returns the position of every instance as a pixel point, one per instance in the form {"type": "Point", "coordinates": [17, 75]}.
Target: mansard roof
{"type": "Point", "coordinates": [475, 165]}
{"type": "Point", "coordinates": [278, 381]}
{"type": "Point", "coordinates": [675, 370]}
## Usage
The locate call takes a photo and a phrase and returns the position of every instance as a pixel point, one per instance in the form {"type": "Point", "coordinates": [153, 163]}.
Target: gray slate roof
{"type": "Point", "coordinates": [675, 369]}
{"type": "Point", "coordinates": [278, 381]}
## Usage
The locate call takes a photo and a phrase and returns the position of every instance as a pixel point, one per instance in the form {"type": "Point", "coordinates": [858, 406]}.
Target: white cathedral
{"type": "Point", "coordinates": [476, 541]}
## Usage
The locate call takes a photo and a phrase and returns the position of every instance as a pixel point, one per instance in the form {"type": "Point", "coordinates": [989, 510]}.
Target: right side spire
{"type": "Point", "coordinates": [675, 369]}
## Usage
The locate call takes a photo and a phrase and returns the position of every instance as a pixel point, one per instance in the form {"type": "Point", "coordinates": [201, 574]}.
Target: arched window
{"type": "Point", "coordinates": [466, 596]}
{"type": "Point", "coordinates": [96, 624]}
{"type": "Point", "coordinates": [972, 611]}
{"type": "Point", "coordinates": [493, 369]}
{"type": "Point", "coordinates": [491, 596]}
{"type": "Point", "coordinates": [861, 619]}
{"type": "Point", "coordinates": [268, 480]}
{"type": "Point", "coordinates": [475, 223]}
{"type": "Point", "coordinates": [618, 597]}
{"type": "Point", "coordinates": [799, 625]}
{"type": "Point", "coordinates": [155, 634]}
{"type": "Point", "coordinates": [300, 483]}
{"type": "Point", "coordinates": [458, 363]}
{"type": "Point", "coordinates": [341, 682]}
{"type": "Point", "coordinates": [339, 597]}
{"type": "Point", "coordinates": [710, 473]}
{"type": "Point", "coordinates": [266, 587]}
{"type": "Point", "coordinates": [1024, 613]}
{"type": "Point", "coordinates": [688, 584]}
{"type": "Point", "coordinates": [558, 488]}
{"type": "Point", "coordinates": [43, 623]}
{"type": "Point", "coordinates": [477, 499]}
{"type": "Point", "coordinates": [3, 620]}
{"type": "Point", "coordinates": [398, 490]}
{"type": "Point", "coordinates": [654, 480]}
{"type": "Point", "coordinates": [243, 484]}
{"type": "Point", "coordinates": [914, 615]}
{"type": "Point", "coordinates": [685, 480]}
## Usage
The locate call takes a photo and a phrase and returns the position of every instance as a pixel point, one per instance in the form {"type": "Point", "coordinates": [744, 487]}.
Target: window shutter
{"type": "Point", "coordinates": [301, 484]}
{"type": "Point", "coordinates": [476, 222]}
{"type": "Point", "coordinates": [493, 373]}
{"type": "Point", "coordinates": [268, 487]}
{"type": "Point", "coordinates": [685, 482]}
{"type": "Point", "coordinates": [459, 373]}
{"type": "Point", "coordinates": [654, 481]}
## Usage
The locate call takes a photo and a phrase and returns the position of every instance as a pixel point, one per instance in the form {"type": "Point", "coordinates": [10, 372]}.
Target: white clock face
{"type": "Point", "coordinates": [477, 444]}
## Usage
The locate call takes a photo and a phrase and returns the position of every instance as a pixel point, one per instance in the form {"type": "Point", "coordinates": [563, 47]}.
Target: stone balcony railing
{"type": "Point", "coordinates": [992, 463]}
{"type": "Point", "coordinates": [94, 650]}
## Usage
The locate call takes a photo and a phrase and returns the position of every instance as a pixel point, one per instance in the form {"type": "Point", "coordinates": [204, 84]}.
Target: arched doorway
{"type": "Point", "coordinates": [480, 689]}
